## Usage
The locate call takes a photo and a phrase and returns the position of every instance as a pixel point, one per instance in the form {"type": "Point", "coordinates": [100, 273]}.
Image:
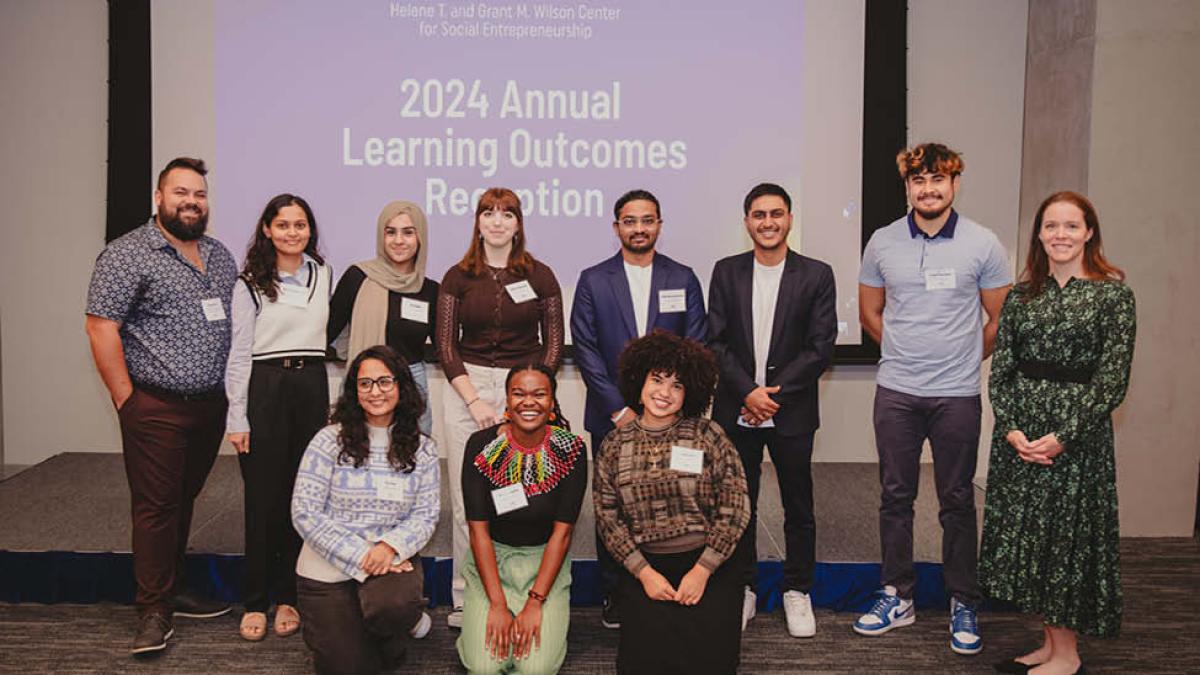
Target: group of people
{"type": "Point", "coordinates": [339, 505]}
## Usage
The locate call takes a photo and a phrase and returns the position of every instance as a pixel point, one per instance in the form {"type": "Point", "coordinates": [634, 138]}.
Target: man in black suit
{"type": "Point", "coordinates": [772, 323]}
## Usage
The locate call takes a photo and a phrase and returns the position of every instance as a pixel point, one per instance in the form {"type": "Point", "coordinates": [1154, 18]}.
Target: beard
{"type": "Point", "coordinates": [645, 246]}
{"type": "Point", "coordinates": [181, 230]}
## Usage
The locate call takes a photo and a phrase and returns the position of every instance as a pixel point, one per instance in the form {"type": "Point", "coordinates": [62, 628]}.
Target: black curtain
{"type": "Point", "coordinates": [129, 170]}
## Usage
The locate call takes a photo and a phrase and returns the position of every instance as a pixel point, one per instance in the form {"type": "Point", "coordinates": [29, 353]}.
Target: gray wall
{"type": "Point", "coordinates": [53, 111]}
{"type": "Point", "coordinates": [1143, 170]}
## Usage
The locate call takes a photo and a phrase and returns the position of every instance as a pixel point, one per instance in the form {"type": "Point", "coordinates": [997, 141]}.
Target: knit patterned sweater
{"type": "Point", "coordinates": [341, 511]}
{"type": "Point", "coordinates": [641, 502]}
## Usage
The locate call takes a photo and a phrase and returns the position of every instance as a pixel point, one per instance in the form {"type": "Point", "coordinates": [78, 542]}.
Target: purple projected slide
{"type": "Point", "coordinates": [355, 104]}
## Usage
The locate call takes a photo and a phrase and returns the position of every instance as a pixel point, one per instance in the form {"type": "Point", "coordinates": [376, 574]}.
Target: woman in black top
{"type": "Point", "coordinates": [388, 300]}
{"type": "Point", "coordinates": [523, 483]}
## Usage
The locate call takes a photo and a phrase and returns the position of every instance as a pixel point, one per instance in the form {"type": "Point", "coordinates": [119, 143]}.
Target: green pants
{"type": "Point", "coordinates": [518, 567]}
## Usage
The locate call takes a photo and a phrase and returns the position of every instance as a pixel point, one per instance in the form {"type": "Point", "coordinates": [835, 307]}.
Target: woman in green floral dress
{"type": "Point", "coordinates": [1060, 368]}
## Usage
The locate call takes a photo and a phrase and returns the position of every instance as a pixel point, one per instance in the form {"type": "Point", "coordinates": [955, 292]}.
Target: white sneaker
{"type": "Point", "coordinates": [800, 620]}
{"type": "Point", "coordinates": [422, 628]}
{"type": "Point", "coordinates": [454, 618]}
{"type": "Point", "coordinates": [749, 606]}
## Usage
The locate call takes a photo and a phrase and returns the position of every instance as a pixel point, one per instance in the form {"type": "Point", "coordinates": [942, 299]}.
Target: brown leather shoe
{"type": "Point", "coordinates": [154, 629]}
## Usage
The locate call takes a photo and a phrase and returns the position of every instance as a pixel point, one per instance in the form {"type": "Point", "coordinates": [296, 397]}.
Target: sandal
{"type": "Point", "coordinates": [254, 626]}
{"type": "Point", "coordinates": [287, 620]}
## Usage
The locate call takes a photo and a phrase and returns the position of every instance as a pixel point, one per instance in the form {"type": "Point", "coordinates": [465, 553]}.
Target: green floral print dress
{"type": "Point", "coordinates": [1050, 533]}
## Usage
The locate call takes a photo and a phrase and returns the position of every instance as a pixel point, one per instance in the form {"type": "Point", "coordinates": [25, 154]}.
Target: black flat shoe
{"type": "Point", "coordinates": [1012, 666]}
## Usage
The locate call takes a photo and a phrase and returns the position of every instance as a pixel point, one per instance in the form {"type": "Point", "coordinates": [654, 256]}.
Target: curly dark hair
{"type": "Point", "coordinates": [259, 270]}
{"type": "Point", "coordinates": [560, 420]}
{"type": "Point", "coordinates": [662, 352]}
{"type": "Point", "coordinates": [406, 434]}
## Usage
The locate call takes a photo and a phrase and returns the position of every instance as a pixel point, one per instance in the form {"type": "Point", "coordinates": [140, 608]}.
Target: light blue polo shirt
{"type": "Point", "coordinates": [932, 314]}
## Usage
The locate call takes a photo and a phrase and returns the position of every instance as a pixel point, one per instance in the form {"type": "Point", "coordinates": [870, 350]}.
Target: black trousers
{"type": "Point", "coordinates": [667, 638]}
{"type": "Point", "coordinates": [610, 571]}
{"type": "Point", "coordinates": [357, 628]}
{"type": "Point", "coordinates": [902, 423]}
{"type": "Point", "coordinates": [792, 458]}
{"type": "Point", "coordinates": [285, 407]}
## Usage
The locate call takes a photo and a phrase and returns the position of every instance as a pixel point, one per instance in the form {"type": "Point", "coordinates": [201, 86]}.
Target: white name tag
{"type": "Point", "coordinates": [414, 310]}
{"type": "Point", "coordinates": [295, 296]}
{"type": "Point", "coordinates": [937, 279]}
{"type": "Point", "coordinates": [391, 488]}
{"type": "Point", "coordinates": [686, 460]}
{"type": "Point", "coordinates": [672, 300]}
{"type": "Point", "coordinates": [520, 291]}
{"type": "Point", "coordinates": [509, 498]}
{"type": "Point", "coordinates": [213, 309]}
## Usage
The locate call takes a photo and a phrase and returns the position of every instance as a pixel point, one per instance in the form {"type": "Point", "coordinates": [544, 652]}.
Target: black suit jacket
{"type": "Point", "coordinates": [802, 338]}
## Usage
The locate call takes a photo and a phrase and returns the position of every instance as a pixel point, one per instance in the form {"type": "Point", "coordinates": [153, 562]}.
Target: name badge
{"type": "Point", "coordinates": [686, 460]}
{"type": "Point", "coordinates": [391, 488]}
{"type": "Point", "coordinates": [213, 309]}
{"type": "Point", "coordinates": [937, 279]}
{"type": "Point", "coordinates": [672, 300]}
{"type": "Point", "coordinates": [414, 310]}
{"type": "Point", "coordinates": [294, 296]}
{"type": "Point", "coordinates": [509, 499]}
{"type": "Point", "coordinates": [520, 291]}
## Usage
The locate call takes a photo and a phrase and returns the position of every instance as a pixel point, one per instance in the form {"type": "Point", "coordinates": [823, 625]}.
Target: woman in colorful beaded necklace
{"type": "Point", "coordinates": [523, 482]}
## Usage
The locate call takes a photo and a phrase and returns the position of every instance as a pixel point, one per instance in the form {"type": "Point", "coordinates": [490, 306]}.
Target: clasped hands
{"type": "Point", "coordinates": [379, 559]}
{"type": "Point", "coordinates": [521, 633]}
{"type": "Point", "coordinates": [691, 586]}
{"type": "Point", "coordinates": [759, 406]}
{"type": "Point", "coordinates": [1042, 451]}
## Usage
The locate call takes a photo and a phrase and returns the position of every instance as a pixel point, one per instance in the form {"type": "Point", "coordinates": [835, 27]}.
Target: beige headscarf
{"type": "Point", "coordinates": [368, 319]}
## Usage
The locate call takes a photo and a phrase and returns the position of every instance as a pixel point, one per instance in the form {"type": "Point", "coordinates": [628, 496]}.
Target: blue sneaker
{"type": "Point", "coordinates": [964, 629]}
{"type": "Point", "coordinates": [889, 612]}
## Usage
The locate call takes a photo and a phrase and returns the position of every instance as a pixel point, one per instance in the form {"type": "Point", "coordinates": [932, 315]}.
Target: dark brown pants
{"type": "Point", "coordinates": [355, 629]}
{"type": "Point", "coordinates": [169, 447]}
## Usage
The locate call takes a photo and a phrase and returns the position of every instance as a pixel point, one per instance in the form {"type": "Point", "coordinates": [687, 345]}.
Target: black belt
{"type": "Point", "coordinates": [293, 362]}
{"type": "Point", "coordinates": [1043, 370]}
{"type": "Point", "coordinates": [212, 395]}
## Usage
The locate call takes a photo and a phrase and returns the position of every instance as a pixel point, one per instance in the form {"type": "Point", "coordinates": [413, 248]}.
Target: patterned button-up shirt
{"type": "Point", "coordinates": [171, 340]}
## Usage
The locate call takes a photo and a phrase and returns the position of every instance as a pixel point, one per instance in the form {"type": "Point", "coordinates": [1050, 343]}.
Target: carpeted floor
{"type": "Point", "coordinates": [1160, 606]}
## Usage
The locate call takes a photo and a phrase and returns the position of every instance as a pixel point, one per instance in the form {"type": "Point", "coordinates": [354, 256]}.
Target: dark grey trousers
{"type": "Point", "coordinates": [902, 423]}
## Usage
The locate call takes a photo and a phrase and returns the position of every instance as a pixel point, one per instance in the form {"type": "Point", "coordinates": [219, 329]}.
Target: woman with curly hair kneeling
{"type": "Point", "coordinates": [671, 504]}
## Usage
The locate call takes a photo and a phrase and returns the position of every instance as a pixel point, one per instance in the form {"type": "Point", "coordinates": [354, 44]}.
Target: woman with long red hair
{"type": "Point", "coordinates": [497, 308]}
{"type": "Point", "coordinates": [1060, 368]}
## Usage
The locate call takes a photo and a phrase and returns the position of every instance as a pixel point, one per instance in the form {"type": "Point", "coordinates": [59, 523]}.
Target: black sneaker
{"type": "Point", "coordinates": [192, 606]}
{"type": "Point", "coordinates": [609, 616]}
{"type": "Point", "coordinates": [154, 629]}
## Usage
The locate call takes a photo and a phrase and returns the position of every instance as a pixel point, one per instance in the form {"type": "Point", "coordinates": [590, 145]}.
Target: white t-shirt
{"type": "Point", "coordinates": [639, 292]}
{"type": "Point", "coordinates": [766, 292]}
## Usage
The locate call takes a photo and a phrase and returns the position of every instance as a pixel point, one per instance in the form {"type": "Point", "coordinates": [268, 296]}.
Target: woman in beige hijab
{"type": "Point", "coordinates": [387, 299]}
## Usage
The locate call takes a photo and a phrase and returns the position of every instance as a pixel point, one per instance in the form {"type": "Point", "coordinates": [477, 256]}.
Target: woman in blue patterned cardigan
{"type": "Point", "coordinates": [366, 502]}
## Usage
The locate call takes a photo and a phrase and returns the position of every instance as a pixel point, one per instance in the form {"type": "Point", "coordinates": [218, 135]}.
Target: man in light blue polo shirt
{"type": "Point", "coordinates": [924, 281]}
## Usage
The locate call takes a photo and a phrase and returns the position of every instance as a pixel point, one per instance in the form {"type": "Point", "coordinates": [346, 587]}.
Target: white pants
{"type": "Point", "coordinates": [459, 425]}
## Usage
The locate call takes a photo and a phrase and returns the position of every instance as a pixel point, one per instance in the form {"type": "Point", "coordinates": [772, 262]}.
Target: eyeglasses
{"type": "Point", "coordinates": [386, 384]}
{"type": "Point", "coordinates": [645, 220]}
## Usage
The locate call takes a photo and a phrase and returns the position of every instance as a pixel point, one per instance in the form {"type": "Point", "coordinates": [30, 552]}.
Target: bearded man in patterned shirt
{"type": "Point", "coordinates": [158, 323]}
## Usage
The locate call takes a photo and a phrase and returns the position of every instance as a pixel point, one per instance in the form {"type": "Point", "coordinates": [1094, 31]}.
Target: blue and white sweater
{"type": "Point", "coordinates": [341, 511]}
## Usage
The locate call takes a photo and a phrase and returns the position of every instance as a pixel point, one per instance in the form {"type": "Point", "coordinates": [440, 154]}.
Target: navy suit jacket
{"type": "Point", "coordinates": [802, 338]}
{"type": "Point", "coordinates": [602, 323]}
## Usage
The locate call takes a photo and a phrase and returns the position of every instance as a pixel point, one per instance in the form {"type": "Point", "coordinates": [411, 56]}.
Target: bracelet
{"type": "Point", "coordinates": [473, 402]}
{"type": "Point", "coordinates": [537, 596]}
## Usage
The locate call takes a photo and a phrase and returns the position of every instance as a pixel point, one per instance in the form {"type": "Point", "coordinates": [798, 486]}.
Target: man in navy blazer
{"type": "Point", "coordinates": [622, 298]}
{"type": "Point", "coordinates": [772, 323]}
